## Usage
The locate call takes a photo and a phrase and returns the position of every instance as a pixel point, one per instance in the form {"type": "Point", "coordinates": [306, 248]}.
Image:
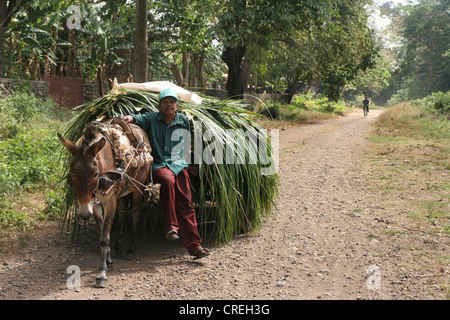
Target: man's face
{"type": "Point", "coordinates": [168, 106]}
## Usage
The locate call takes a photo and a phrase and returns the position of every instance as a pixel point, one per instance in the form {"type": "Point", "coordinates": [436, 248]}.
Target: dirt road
{"type": "Point", "coordinates": [318, 244]}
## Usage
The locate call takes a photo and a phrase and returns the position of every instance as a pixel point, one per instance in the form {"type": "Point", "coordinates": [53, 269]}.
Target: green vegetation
{"type": "Point", "coordinates": [437, 103]}
{"type": "Point", "coordinates": [322, 104]}
{"type": "Point", "coordinates": [29, 158]}
{"type": "Point", "coordinates": [422, 63]}
{"type": "Point", "coordinates": [271, 44]}
{"type": "Point", "coordinates": [420, 119]}
{"type": "Point", "coordinates": [282, 46]}
{"type": "Point", "coordinates": [304, 107]}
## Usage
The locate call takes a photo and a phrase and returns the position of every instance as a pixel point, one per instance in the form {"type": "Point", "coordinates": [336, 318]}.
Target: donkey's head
{"type": "Point", "coordinates": [84, 168]}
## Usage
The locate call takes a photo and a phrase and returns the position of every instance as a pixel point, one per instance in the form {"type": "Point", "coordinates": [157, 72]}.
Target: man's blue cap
{"type": "Point", "coordinates": [169, 92]}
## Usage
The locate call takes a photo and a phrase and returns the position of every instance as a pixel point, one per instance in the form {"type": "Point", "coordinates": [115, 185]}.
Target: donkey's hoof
{"type": "Point", "coordinates": [100, 282]}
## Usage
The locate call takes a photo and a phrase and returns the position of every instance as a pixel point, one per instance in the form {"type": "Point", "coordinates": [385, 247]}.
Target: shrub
{"type": "Point", "coordinates": [29, 158]}
{"type": "Point", "coordinates": [25, 106]}
{"type": "Point", "coordinates": [12, 219]}
{"type": "Point", "coordinates": [9, 126]}
{"type": "Point", "coordinates": [308, 101]}
{"type": "Point", "coordinates": [321, 104]}
{"type": "Point", "coordinates": [304, 108]}
{"type": "Point", "coordinates": [27, 162]}
{"type": "Point", "coordinates": [413, 120]}
{"type": "Point", "coordinates": [29, 155]}
{"type": "Point", "coordinates": [442, 102]}
{"type": "Point", "coordinates": [437, 102]}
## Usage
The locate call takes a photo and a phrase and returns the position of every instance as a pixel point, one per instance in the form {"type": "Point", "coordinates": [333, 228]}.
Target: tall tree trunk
{"type": "Point", "coordinates": [72, 69]}
{"type": "Point", "coordinates": [186, 69]}
{"type": "Point", "coordinates": [293, 84]}
{"type": "Point", "coordinates": [7, 9]}
{"type": "Point", "coordinates": [233, 58]}
{"type": "Point", "coordinates": [2, 52]}
{"type": "Point", "coordinates": [199, 60]}
{"type": "Point", "coordinates": [292, 90]}
{"type": "Point", "coordinates": [176, 72]}
{"type": "Point", "coordinates": [246, 69]}
{"type": "Point", "coordinates": [140, 56]}
{"type": "Point", "coordinates": [3, 24]}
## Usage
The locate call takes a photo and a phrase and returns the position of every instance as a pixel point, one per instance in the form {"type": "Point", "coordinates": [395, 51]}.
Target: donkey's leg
{"type": "Point", "coordinates": [121, 206]}
{"type": "Point", "coordinates": [137, 199]}
{"type": "Point", "coordinates": [98, 217]}
{"type": "Point", "coordinates": [119, 234]}
{"type": "Point", "coordinates": [105, 240]}
{"type": "Point", "coordinates": [100, 222]}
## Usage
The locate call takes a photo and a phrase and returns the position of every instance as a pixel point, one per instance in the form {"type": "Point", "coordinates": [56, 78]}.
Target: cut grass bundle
{"type": "Point", "coordinates": [231, 193]}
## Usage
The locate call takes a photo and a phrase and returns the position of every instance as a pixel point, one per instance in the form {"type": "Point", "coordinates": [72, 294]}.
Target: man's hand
{"type": "Point", "coordinates": [128, 118]}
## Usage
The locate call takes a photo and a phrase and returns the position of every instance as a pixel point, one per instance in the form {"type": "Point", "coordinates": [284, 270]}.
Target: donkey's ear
{"type": "Point", "coordinates": [97, 146]}
{"type": "Point", "coordinates": [68, 144]}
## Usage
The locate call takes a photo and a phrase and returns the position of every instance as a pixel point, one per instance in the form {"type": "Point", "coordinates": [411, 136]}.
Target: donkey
{"type": "Point", "coordinates": [93, 161]}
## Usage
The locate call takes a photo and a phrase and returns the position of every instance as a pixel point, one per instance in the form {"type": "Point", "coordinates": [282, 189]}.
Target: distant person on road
{"type": "Point", "coordinates": [366, 103]}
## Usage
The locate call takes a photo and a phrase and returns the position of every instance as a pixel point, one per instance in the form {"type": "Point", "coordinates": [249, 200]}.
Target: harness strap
{"type": "Point", "coordinates": [124, 190]}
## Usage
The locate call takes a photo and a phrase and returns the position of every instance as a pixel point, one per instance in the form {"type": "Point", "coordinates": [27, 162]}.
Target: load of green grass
{"type": "Point", "coordinates": [230, 198]}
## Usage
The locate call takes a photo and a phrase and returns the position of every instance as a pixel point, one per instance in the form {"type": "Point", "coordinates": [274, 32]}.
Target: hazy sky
{"type": "Point", "coordinates": [379, 23]}
{"type": "Point", "coordinates": [382, 21]}
{"type": "Point", "coordinates": [377, 2]}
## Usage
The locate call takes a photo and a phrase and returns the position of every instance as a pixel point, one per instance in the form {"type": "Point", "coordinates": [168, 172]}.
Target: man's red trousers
{"type": "Point", "coordinates": [176, 201]}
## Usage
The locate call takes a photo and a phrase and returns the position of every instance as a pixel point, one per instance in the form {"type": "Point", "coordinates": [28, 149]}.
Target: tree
{"type": "Point", "coordinates": [348, 47]}
{"type": "Point", "coordinates": [31, 38]}
{"type": "Point", "coordinates": [181, 38]}
{"type": "Point", "coordinates": [332, 54]}
{"type": "Point", "coordinates": [7, 11]}
{"type": "Point", "coordinates": [424, 65]}
{"type": "Point", "coordinates": [371, 82]}
{"type": "Point", "coordinates": [282, 42]}
{"type": "Point", "coordinates": [40, 41]}
{"type": "Point", "coordinates": [140, 53]}
{"type": "Point", "coordinates": [242, 22]}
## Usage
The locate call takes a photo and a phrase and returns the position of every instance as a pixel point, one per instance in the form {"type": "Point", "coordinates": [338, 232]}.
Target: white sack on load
{"type": "Point", "coordinates": [158, 86]}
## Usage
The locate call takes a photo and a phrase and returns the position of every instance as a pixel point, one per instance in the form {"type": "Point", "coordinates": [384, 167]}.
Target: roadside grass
{"type": "Point", "coordinates": [408, 121]}
{"type": "Point", "coordinates": [407, 168]}
{"type": "Point", "coordinates": [415, 167]}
